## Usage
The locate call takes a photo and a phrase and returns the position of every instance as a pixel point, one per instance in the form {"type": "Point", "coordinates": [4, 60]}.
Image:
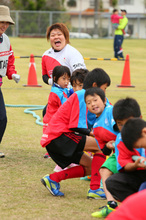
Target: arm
{"type": "Point", "coordinates": [11, 68]}
{"type": "Point", "coordinates": [123, 23]}
{"type": "Point", "coordinates": [11, 72]}
{"type": "Point", "coordinates": [47, 79]}
{"type": "Point", "coordinates": [137, 164]}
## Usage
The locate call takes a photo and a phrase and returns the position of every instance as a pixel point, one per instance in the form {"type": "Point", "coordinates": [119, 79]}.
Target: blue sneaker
{"type": "Point", "coordinates": [96, 194]}
{"type": "Point", "coordinates": [52, 186]}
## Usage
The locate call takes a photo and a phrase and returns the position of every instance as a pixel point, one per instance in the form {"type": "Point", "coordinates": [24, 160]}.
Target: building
{"type": "Point", "coordinates": [87, 16]}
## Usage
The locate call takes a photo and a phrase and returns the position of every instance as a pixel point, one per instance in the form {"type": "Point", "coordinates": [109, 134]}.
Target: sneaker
{"type": "Point", "coordinates": [96, 194]}
{"type": "Point", "coordinates": [57, 168]}
{"type": "Point", "coordinates": [2, 155]}
{"type": "Point", "coordinates": [46, 155]}
{"type": "Point", "coordinates": [105, 210]}
{"type": "Point", "coordinates": [86, 178]}
{"type": "Point", "coordinates": [52, 186]}
{"type": "Point", "coordinates": [126, 35]}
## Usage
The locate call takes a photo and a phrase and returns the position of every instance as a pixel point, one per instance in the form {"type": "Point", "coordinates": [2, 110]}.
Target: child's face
{"type": "Point", "coordinates": [77, 85]}
{"type": "Point", "coordinates": [95, 104]}
{"type": "Point", "coordinates": [63, 81]}
{"type": "Point", "coordinates": [120, 123]}
{"type": "Point", "coordinates": [141, 142]}
{"type": "Point", "coordinates": [103, 87]}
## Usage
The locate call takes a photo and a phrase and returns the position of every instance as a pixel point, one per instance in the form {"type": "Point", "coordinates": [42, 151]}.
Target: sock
{"type": "Point", "coordinates": [73, 172]}
{"type": "Point", "coordinates": [97, 161]}
{"type": "Point", "coordinates": [112, 204]}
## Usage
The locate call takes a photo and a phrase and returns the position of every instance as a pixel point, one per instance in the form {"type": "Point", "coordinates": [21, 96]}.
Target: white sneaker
{"type": "Point", "coordinates": [126, 35]}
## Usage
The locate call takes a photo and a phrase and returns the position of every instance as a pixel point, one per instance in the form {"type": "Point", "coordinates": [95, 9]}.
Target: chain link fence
{"type": "Point", "coordinates": [34, 23]}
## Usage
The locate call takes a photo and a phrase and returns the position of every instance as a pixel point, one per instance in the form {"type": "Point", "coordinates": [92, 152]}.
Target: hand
{"type": "Point", "coordinates": [110, 145]}
{"type": "Point", "coordinates": [50, 81]}
{"type": "Point", "coordinates": [16, 77]}
{"type": "Point", "coordinates": [91, 134]}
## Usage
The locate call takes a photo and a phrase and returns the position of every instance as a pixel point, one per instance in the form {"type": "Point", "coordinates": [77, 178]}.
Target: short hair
{"type": "Point", "coordinates": [95, 90]}
{"type": "Point", "coordinates": [59, 71]}
{"type": "Point", "coordinates": [126, 108]}
{"type": "Point", "coordinates": [114, 10]}
{"type": "Point", "coordinates": [78, 74]}
{"type": "Point", "coordinates": [132, 131]}
{"type": "Point", "coordinates": [98, 76]}
{"type": "Point", "coordinates": [62, 27]}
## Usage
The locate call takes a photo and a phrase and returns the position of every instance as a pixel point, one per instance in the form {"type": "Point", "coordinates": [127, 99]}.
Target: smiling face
{"type": "Point", "coordinates": [63, 81]}
{"type": "Point", "coordinates": [3, 27]}
{"type": "Point", "coordinates": [95, 104]}
{"type": "Point", "coordinates": [57, 39]}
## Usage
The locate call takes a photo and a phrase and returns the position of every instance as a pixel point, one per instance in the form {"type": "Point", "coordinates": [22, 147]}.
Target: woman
{"type": "Point", "coordinates": [7, 67]}
{"type": "Point", "coordinates": [60, 53]}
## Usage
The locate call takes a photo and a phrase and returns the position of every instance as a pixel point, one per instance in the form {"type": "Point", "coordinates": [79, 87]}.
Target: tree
{"type": "Point", "coordinates": [36, 5]}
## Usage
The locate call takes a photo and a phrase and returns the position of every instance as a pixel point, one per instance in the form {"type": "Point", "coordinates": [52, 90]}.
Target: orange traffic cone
{"type": "Point", "coordinates": [32, 77]}
{"type": "Point", "coordinates": [125, 82]}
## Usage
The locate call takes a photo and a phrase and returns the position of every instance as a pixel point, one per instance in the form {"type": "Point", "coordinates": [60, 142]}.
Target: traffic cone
{"type": "Point", "coordinates": [126, 82]}
{"type": "Point", "coordinates": [32, 77]}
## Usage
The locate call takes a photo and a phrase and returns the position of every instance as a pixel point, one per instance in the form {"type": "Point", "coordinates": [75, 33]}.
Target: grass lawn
{"type": "Point", "coordinates": [22, 194]}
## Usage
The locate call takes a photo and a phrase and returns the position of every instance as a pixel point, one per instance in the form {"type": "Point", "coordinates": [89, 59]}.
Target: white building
{"type": "Point", "coordinates": [85, 17]}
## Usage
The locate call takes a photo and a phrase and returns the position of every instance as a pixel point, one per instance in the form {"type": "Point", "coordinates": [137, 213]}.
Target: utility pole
{"type": "Point", "coordinates": [96, 18]}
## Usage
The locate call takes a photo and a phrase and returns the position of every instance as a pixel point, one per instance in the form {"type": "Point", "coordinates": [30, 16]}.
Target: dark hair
{"type": "Point", "coordinates": [61, 27]}
{"type": "Point", "coordinates": [95, 90]}
{"type": "Point", "coordinates": [115, 10]}
{"type": "Point", "coordinates": [126, 108]}
{"type": "Point", "coordinates": [59, 71]}
{"type": "Point", "coordinates": [78, 74]}
{"type": "Point", "coordinates": [98, 76]}
{"type": "Point", "coordinates": [132, 131]}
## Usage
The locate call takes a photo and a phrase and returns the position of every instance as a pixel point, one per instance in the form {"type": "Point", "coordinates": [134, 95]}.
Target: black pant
{"type": "Point", "coordinates": [3, 116]}
{"type": "Point", "coordinates": [122, 185]}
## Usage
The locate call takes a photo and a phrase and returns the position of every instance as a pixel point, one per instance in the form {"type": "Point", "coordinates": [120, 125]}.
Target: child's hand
{"type": "Point", "coordinates": [110, 145]}
{"type": "Point", "coordinates": [141, 162]}
{"type": "Point", "coordinates": [91, 134]}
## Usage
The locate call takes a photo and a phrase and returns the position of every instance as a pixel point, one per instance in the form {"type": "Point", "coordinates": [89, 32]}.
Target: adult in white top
{"type": "Point", "coordinates": [7, 67]}
{"type": "Point", "coordinates": [60, 53]}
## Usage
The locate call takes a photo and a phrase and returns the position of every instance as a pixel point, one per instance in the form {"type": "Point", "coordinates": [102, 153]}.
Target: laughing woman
{"type": "Point", "coordinates": [60, 53]}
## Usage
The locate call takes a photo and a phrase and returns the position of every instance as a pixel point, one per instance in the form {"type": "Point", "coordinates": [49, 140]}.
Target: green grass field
{"type": "Point", "coordinates": [22, 196]}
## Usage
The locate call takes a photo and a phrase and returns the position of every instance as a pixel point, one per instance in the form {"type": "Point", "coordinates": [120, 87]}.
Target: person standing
{"type": "Point", "coordinates": [119, 37]}
{"type": "Point", "coordinates": [7, 67]}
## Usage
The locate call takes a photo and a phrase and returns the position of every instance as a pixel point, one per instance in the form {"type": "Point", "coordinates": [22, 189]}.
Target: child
{"type": "Point", "coordinates": [115, 20]}
{"type": "Point", "coordinates": [77, 79]}
{"type": "Point", "coordinates": [134, 136]}
{"type": "Point", "coordinates": [65, 146]}
{"type": "Point", "coordinates": [134, 133]}
{"type": "Point", "coordinates": [104, 128]}
{"type": "Point", "coordinates": [122, 111]}
{"type": "Point", "coordinates": [131, 175]}
{"type": "Point", "coordinates": [59, 92]}
{"type": "Point", "coordinates": [58, 95]}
